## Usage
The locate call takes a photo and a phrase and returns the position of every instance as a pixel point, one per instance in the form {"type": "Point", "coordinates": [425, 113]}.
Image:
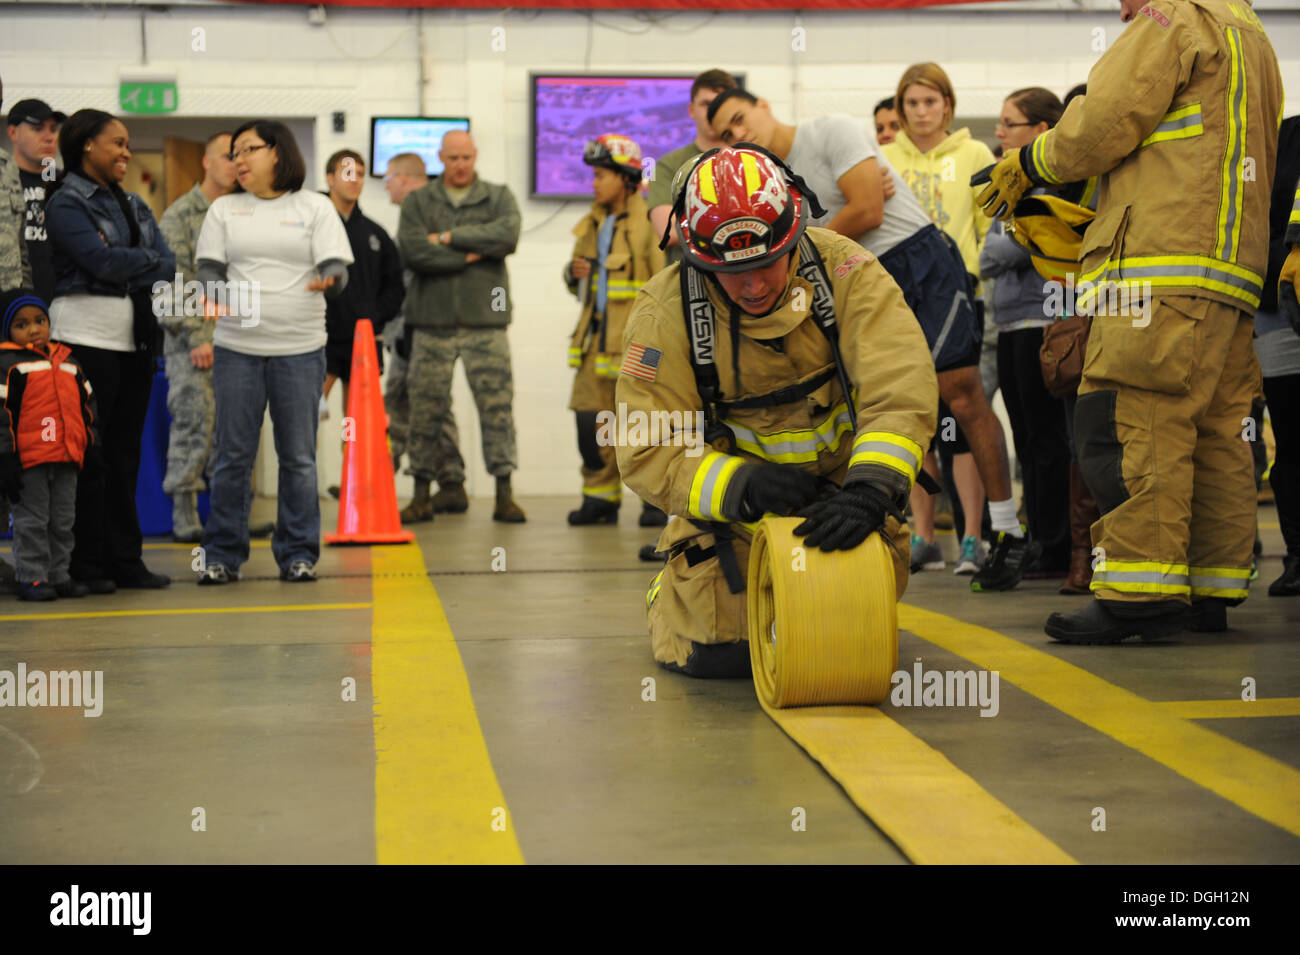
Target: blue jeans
{"type": "Point", "coordinates": [243, 385]}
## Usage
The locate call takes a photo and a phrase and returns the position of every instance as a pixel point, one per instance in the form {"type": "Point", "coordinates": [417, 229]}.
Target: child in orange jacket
{"type": "Point", "coordinates": [47, 416]}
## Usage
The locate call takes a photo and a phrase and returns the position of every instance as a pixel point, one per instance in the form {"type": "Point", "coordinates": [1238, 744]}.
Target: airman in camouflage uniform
{"type": "Point", "coordinates": [15, 272]}
{"type": "Point", "coordinates": [454, 235]}
{"type": "Point", "coordinates": [188, 347]}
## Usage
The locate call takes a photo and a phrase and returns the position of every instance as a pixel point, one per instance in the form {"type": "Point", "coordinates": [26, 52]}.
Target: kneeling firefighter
{"type": "Point", "coordinates": [794, 352]}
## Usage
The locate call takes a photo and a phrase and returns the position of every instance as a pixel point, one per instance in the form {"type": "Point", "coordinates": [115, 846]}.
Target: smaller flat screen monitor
{"type": "Point", "coordinates": [390, 135]}
{"type": "Point", "coordinates": [569, 109]}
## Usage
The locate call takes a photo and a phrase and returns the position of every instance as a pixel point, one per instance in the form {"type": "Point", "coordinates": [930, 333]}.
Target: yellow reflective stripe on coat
{"type": "Point", "coordinates": [1141, 577]}
{"type": "Point", "coordinates": [622, 290]}
{"type": "Point", "coordinates": [798, 445]}
{"type": "Point", "coordinates": [1173, 271]}
{"type": "Point", "coordinates": [1294, 218]}
{"type": "Point", "coordinates": [895, 451]}
{"type": "Point", "coordinates": [1233, 178]}
{"type": "Point", "coordinates": [1039, 160]}
{"type": "Point", "coordinates": [1231, 582]}
{"type": "Point", "coordinates": [709, 486]}
{"type": "Point", "coordinates": [604, 492]}
{"type": "Point", "coordinates": [607, 369]}
{"type": "Point", "coordinates": [653, 592]}
{"type": "Point", "coordinates": [1185, 122]}
{"type": "Point", "coordinates": [575, 356]}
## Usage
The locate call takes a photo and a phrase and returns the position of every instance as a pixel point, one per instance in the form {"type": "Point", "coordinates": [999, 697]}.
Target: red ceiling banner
{"type": "Point", "coordinates": [747, 6]}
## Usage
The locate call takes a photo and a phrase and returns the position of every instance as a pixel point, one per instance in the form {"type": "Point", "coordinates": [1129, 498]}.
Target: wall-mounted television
{"type": "Point", "coordinates": [390, 135]}
{"type": "Point", "coordinates": [569, 109]}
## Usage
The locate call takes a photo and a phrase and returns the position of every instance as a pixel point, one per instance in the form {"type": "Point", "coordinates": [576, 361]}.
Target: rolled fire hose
{"type": "Point", "coordinates": [823, 627]}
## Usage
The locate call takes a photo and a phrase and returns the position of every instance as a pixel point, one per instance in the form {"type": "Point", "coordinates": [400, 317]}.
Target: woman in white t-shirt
{"type": "Point", "coordinates": [265, 254]}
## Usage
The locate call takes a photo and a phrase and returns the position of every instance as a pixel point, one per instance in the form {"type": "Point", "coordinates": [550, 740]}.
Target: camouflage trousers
{"type": "Point", "coordinates": [397, 403]}
{"type": "Point", "coordinates": [193, 408]}
{"type": "Point", "coordinates": [486, 354]}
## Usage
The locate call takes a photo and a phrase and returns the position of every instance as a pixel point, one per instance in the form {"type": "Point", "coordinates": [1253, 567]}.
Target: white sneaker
{"type": "Point", "coordinates": [324, 408]}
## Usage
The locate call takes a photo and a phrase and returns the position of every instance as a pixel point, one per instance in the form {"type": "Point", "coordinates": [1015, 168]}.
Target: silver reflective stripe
{"type": "Point", "coordinates": [1221, 583]}
{"type": "Point", "coordinates": [1193, 271]}
{"type": "Point", "coordinates": [706, 487]}
{"type": "Point", "coordinates": [893, 450]}
{"type": "Point", "coordinates": [1236, 144]}
{"type": "Point", "coordinates": [769, 445]}
{"type": "Point", "coordinates": [1140, 577]}
{"type": "Point", "coordinates": [1185, 122]}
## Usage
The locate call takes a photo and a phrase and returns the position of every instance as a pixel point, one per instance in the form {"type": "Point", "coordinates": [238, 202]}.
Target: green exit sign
{"type": "Point", "coordinates": [147, 97]}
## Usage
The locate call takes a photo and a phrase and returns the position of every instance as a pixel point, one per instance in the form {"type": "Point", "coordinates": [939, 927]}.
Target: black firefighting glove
{"type": "Point", "coordinates": [1286, 288]}
{"type": "Point", "coordinates": [846, 519]}
{"type": "Point", "coordinates": [1009, 178]}
{"type": "Point", "coordinates": [775, 489]}
{"type": "Point", "coordinates": [11, 477]}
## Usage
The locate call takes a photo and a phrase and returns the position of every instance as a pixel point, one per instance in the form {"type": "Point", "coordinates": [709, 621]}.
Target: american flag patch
{"type": "Point", "coordinates": [641, 362]}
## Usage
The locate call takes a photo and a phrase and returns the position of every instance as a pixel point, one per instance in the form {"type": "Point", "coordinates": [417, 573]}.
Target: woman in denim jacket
{"type": "Point", "coordinates": [1038, 425]}
{"type": "Point", "coordinates": [108, 253]}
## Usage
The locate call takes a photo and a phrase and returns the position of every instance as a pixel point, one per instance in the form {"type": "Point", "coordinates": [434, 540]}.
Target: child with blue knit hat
{"type": "Point", "coordinates": [47, 417]}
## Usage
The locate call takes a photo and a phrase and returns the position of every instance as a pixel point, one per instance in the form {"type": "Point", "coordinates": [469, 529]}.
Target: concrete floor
{"type": "Point", "coordinates": [228, 700]}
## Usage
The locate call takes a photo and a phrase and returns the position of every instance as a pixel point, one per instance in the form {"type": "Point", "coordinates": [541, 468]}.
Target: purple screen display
{"type": "Point", "coordinates": [569, 110]}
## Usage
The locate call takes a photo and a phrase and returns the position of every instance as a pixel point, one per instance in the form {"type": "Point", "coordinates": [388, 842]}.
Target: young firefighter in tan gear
{"type": "Point", "coordinates": [615, 254]}
{"type": "Point", "coordinates": [752, 338]}
{"type": "Point", "coordinates": [1180, 121]}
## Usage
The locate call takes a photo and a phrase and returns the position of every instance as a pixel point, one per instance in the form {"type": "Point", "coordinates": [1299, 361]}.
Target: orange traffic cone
{"type": "Point", "coordinates": [367, 497]}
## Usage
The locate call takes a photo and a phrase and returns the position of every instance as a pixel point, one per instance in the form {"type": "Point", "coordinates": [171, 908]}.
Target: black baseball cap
{"type": "Point", "coordinates": [34, 111]}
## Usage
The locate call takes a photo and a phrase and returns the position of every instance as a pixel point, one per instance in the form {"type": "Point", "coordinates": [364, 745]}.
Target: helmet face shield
{"type": "Point", "coordinates": [738, 212]}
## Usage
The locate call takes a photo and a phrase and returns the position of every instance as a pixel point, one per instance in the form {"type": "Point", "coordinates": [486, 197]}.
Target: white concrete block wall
{"type": "Point", "coordinates": [271, 61]}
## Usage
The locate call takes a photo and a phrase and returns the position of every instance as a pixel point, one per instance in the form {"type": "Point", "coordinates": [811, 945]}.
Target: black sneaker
{"type": "Point", "coordinates": [1007, 564]}
{"type": "Point", "coordinates": [594, 511]}
{"type": "Point", "coordinates": [144, 580]}
{"type": "Point", "coordinates": [71, 588]}
{"type": "Point", "coordinates": [37, 590]}
{"type": "Point", "coordinates": [1288, 585]}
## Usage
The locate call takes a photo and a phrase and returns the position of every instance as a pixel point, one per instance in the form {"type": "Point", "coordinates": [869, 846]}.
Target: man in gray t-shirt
{"type": "Point", "coordinates": [841, 164]}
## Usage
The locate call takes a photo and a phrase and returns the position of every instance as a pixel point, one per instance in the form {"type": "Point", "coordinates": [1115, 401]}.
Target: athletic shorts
{"type": "Point", "coordinates": [338, 359]}
{"type": "Point", "coordinates": [929, 269]}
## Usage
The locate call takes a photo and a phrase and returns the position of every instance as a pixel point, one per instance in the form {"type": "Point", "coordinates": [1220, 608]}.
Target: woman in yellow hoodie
{"type": "Point", "coordinates": [937, 165]}
{"type": "Point", "coordinates": [615, 253]}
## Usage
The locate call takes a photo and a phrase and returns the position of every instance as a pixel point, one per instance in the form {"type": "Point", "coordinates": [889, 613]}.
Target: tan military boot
{"type": "Point", "coordinates": [450, 499]}
{"type": "Point", "coordinates": [507, 511]}
{"type": "Point", "coordinates": [421, 507]}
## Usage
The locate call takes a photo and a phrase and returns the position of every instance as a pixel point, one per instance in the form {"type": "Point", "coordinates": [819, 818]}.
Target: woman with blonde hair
{"type": "Point", "coordinates": [937, 165]}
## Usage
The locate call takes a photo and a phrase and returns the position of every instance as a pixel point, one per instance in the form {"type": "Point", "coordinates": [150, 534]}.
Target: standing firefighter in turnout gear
{"type": "Point", "coordinates": [615, 254]}
{"type": "Point", "coordinates": [1180, 122]}
{"type": "Point", "coordinates": [758, 335]}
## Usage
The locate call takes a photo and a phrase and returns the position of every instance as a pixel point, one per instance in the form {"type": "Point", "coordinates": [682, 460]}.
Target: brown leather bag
{"type": "Point", "coordinates": [1061, 354]}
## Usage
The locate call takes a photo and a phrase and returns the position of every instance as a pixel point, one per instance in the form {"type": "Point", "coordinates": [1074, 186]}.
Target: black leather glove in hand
{"type": "Point", "coordinates": [11, 477]}
{"type": "Point", "coordinates": [776, 489]}
{"type": "Point", "coordinates": [844, 521]}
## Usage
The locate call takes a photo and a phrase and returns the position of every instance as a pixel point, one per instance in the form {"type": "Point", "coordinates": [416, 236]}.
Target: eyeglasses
{"type": "Point", "coordinates": [1002, 125]}
{"type": "Point", "coordinates": [241, 153]}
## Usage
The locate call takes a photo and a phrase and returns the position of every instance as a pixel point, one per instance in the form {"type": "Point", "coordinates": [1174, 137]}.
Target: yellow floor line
{"type": "Point", "coordinates": [1257, 783]}
{"type": "Point", "coordinates": [166, 612]}
{"type": "Point", "coordinates": [436, 795]}
{"type": "Point", "coordinates": [175, 545]}
{"type": "Point", "coordinates": [929, 808]}
{"type": "Point", "coordinates": [1221, 709]}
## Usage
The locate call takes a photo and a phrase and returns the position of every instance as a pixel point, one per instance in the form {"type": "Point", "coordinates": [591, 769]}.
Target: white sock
{"type": "Point", "coordinates": [1003, 514]}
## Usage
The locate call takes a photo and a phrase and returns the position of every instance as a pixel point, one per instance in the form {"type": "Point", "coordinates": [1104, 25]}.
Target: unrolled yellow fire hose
{"type": "Point", "coordinates": [823, 627]}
